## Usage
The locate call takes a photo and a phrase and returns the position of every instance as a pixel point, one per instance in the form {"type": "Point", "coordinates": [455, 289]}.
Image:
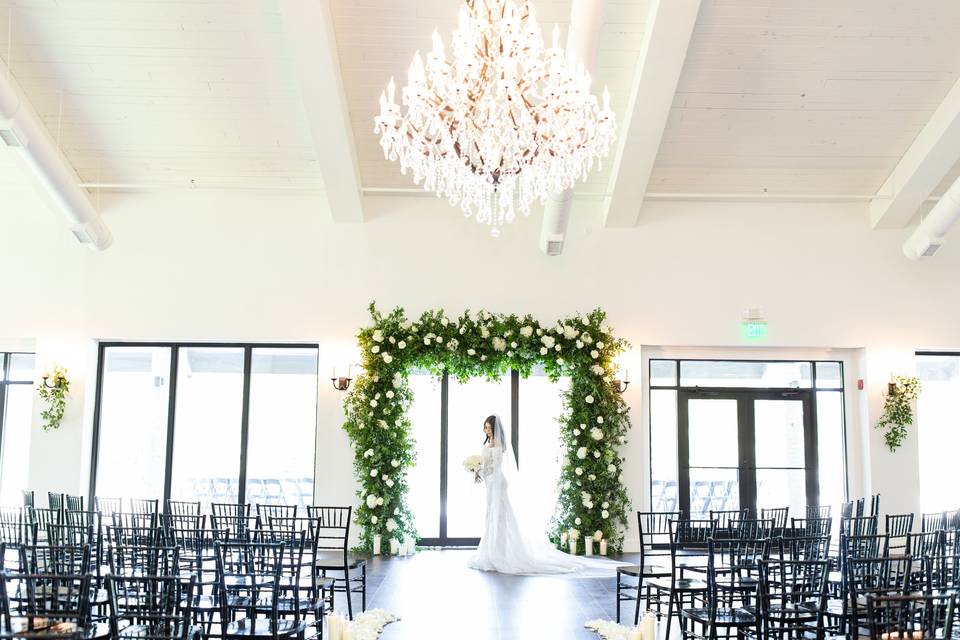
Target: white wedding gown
{"type": "Point", "coordinates": [506, 548]}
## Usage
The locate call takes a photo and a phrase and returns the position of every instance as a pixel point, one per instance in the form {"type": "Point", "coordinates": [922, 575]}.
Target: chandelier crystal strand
{"type": "Point", "coordinates": [500, 123]}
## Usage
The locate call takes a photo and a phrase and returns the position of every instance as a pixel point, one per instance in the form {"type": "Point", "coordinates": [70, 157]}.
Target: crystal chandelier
{"type": "Point", "coordinates": [502, 122]}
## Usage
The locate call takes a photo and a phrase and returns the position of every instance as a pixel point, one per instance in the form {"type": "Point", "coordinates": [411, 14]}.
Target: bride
{"type": "Point", "coordinates": [506, 547]}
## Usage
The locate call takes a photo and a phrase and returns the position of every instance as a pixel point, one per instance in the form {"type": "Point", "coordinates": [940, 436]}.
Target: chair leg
{"type": "Point", "coordinates": [636, 613]}
{"type": "Point", "coordinates": [618, 597]}
{"type": "Point", "coordinates": [669, 614]}
{"type": "Point", "coordinates": [346, 584]}
{"type": "Point", "coordinates": [363, 594]}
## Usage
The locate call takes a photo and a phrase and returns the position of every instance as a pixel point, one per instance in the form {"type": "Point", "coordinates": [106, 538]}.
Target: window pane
{"type": "Point", "coordinates": [133, 422]}
{"type": "Point", "coordinates": [21, 367]}
{"type": "Point", "coordinates": [16, 443]}
{"type": "Point", "coordinates": [663, 450]}
{"type": "Point", "coordinates": [470, 404]}
{"type": "Point", "coordinates": [939, 438]}
{"type": "Point", "coordinates": [713, 490]}
{"type": "Point", "coordinates": [717, 373]}
{"type": "Point", "coordinates": [713, 433]}
{"type": "Point", "coordinates": [782, 488]}
{"type": "Point", "coordinates": [830, 458]}
{"type": "Point", "coordinates": [779, 433]}
{"type": "Point", "coordinates": [663, 373]}
{"type": "Point", "coordinates": [206, 450]}
{"type": "Point", "coordinates": [829, 375]}
{"type": "Point", "coordinates": [283, 424]}
{"type": "Point", "coordinates": [541, 405]}
{"type": "Point", "coordinates": [424, 476]}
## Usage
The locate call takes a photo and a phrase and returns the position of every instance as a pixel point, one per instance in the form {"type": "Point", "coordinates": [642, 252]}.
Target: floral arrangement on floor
{"type": "Point", "coordinates": [591, 495]}
{"type": "Point", "coordinates": [53, 390]}
{"type": "Point", "coordinates": [898, 410]}
{"type": "Point", "coordinates": [365, 626]}
{"type": "Point", "coordinates": [607, 629]}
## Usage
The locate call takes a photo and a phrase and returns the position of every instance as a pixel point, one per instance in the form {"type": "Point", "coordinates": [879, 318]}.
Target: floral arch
{"type": "Point", "coordinates": [594, 424]}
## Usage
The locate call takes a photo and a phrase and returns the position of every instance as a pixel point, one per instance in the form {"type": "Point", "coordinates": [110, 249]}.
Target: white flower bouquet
{"type": "Point", "coordinates": [474, 464]}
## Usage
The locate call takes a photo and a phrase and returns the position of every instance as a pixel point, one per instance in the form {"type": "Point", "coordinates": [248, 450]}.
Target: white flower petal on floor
{"type": "Point", "coordinates": [365, 626]}
{"type": "Point", "coordinates": [607, 629]}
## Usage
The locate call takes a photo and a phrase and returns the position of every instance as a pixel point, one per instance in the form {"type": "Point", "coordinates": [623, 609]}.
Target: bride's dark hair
{"type": "Point", "coordinates": [492, 421]}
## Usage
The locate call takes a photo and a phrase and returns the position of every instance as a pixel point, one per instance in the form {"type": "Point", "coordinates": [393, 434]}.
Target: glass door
{"type": "Point", "coordinates": [746, 449]}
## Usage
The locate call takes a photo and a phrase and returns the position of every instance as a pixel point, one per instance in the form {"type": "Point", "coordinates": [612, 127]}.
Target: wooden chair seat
{"type": "Point", "coordinates": [736, 617]}
{"type": "Point", "coordinates": [263, 628]}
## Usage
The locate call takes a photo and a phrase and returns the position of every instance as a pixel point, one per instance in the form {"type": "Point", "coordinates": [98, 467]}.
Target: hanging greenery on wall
{"type": "Point", "coordinates": [53, 390]}
{"type": "Point", "coordinates": [591, 495]}
{"type": "Point", "coordinates": [898, 410]}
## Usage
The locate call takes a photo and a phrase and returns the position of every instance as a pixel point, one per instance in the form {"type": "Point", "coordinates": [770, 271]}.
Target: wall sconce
{"type": "Point", "coordinates": [341, 383]}
{"type": "Point", "coordinates": [46, 377]}
{"type": "Point", "coordinates": [621, 385]}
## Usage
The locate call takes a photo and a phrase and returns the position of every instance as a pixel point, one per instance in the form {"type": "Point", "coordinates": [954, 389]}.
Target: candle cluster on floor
{"type": "Point", "coordinates": [609, 630]}
{"type": "Point", "coordinates": [366, 626]}
{"type": "Point", "coordinates": [569, 538]}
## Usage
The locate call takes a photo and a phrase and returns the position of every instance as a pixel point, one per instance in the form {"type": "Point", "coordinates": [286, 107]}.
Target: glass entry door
{"type": "Point", "coordinates": [746, 449]}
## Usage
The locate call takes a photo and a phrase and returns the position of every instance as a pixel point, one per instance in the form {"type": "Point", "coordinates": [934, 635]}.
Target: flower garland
{"type": "Point", "coordinates": [591, 495]}
{"type": "Point", "coordinates": [898, 410]}
{"type": "Point", "coordinates": [54, 395]}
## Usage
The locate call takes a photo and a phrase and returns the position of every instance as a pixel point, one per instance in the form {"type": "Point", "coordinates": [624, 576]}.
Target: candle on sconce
{"type": "Point", "coordinates": [603, 547]}
{"type": "Point", "coordinates": [377, 540]}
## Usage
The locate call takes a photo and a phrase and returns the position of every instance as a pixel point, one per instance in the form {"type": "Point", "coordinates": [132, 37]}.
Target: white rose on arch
{"type": "Point", "coordinates": [499, 344]}
{"type": "Point", "coordinates": [588, 399]}
{"type": "Point", "coordinates": [581, 453]}
{"type": "Point", "coordinates": [378, 336]}
{"type": "Point", "coordinates": [395, 463]}
{"type": "Point", "coordinates": [374, 520]}
{"type": "Point", "coordinates": [374, 473]}
{"type": "Point", "coordinates": [526, 331]}
{"type": "Point", "coordinates": [578, 471]}
{"type": "Point", "coordinates": [548, 341]}
{"type": "Point", "coordinates": [391, 525]}
{"type": "Point", "coordinates": [375, 349]}
{"type": "Point", "coordinates": [371, 501]}
{"type": "Point", "coordinates": [569, 332]}
{"type": "Point", "coordinates": [387, 358]}
{"type": "Point", "coordinates": [596, 433]}
{"type": "Point", "coordinates": [543, 351]}
{"type": "Point", "coordinates": [594, 354]}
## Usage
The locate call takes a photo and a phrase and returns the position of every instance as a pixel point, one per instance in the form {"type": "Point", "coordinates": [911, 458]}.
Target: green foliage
{"type": "Point", "coordinates": [591, 495]}
{"type": "Point", "coordinates": [54, 396]}
{"type": "Point", "coordinates": [898, 410]}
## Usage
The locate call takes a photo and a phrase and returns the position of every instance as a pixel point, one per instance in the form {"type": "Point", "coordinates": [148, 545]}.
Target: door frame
{"type": "Point", "coordinates": [746, 439]}
{"type": "Point", "coordinates": [443, 540]}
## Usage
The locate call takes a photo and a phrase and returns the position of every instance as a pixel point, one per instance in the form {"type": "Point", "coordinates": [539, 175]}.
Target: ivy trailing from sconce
{"type": "Point", "coordinates": [898, 410]}
{"type": "Point", "coordinates": [53, 391]}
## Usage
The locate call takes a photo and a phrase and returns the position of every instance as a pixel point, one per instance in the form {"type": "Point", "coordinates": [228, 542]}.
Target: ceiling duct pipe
{"type": "Point", "coordinates": [927, 238]}
{"type": "Point", "coordinates": [24, 134]}
{"type": "Point", "coordinates": [583, 41]}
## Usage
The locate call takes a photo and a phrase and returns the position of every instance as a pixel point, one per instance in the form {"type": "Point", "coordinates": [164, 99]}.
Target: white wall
{"type": "Point", "coordinates": [268, 267]}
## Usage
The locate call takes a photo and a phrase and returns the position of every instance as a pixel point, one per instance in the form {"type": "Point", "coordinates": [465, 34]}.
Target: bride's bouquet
{"type": "Point", "coordinates": [473, 464]}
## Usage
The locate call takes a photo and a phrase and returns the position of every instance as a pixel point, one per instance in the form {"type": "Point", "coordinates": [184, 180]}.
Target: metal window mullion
{"type": "Point", "coordinates": [245, 424]}
{"type": "Point", "coordinates": [444, 446]}
{"type": "Point", "coordinates": [3, 408]}
{"type": "Point", "coordinates": [515, 414]}
{"type": "Point", "coordinates": [171, 423]}
{"type": "Point", "coordinates": [95, 445]}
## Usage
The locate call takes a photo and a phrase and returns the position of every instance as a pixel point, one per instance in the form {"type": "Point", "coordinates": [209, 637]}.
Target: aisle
{"type": "Point", "coordinates": [434, 591]}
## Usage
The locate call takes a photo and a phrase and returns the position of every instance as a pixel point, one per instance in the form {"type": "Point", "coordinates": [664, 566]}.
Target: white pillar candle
{"type": "Point", "coordinates": [573, 547]}
{"type": "Point", "coordinates": [394, 547]}
{"type": "Point", "coordinates": [335, 626]}
{"type": "Point", "coordinates": [376, 544]}
{"type": "Point", "coordinates": [635, 634]}
{"type": "Point", "coordinates": [649, 625]}
{"type": "Point", "coordinates": [563, 538]}
{"type": "Point", "coordinates": [411, 547]}
{"type": "Point", "coordinates": [603, 547]}
{"type": "Point", "coordinates": [347, 631]}
{"type": "Point", "coordinates": [588, 546]}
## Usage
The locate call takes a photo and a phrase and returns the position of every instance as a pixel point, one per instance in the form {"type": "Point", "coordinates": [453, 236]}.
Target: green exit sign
{"type": "Point", "coordinates": [754, 330]}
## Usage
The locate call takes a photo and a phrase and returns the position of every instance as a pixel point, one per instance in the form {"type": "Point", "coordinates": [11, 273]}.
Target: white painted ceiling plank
{"type": "Point", "coordinates": [313, 45]}
{"type": "Point", "coordinates": [670, 26]}
{"type": "Point", "coordinates": [921, 169]}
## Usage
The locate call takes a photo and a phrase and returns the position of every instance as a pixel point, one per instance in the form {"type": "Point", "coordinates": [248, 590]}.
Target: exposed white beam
{"type": "Point", "coordinates": [924, 165]}
{"type": "Point", "coordinates": [313, 48]}
{"type": "Point", "coordinates": [583, 43]}
{"type": "Point", "coordinates": [24, 134]}
{"type": "Point", "coordinates": [659, 65]}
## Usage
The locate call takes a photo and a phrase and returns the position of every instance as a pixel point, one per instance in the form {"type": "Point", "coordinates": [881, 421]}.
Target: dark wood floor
{"type": "Point", "coordinates": [436, 594]}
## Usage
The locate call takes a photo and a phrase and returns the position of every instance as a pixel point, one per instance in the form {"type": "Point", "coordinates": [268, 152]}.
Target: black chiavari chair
{"type": "Point", "coordinates": [55, 559]}
{"type": "Point", "coordinates": [689, 541]}
{"type": "Point", "coordinates": [151, 607]}
{"type": "Point", "coordinates": [818, 511]}
{"type": "Point", "coordinates": [55, 501]}
{"type": "Point", "coordinates": [331, 534]}
{"type": "Point", "coordinates": [898, 527]}
{"type": "Point", "coordinates": [135, 528]}
{"type": "Point", "coordinates": [875, 505]}
{"type": "Point", "coordinates": [33, 603]}
{"type": "Point", "coordinates": [145, 506]}
{"type": "Point", "coordinates": [232, 519]}
{"type": "Point", "coordinates": [874, 577]}
{"type": "Point", "coordinates": [931, 521]}
{"type": "Point", "coordinates": [29, 498]}
{"type": "Point", "coordinates": [249, 583]}
{"type": "Point", "coordinates": [778, 515]}
{"type": "Point", "coordinates": [43, 518]}
{"type": "Point", "coordinates": [724, 518]}
{"type": "Point", "coordinates": [654, 530]}
{"type": "Point", "coordinates": [807, 547]}
{"type": "Point", "coordinates": [930, 543]}
{"type": "Point", "coordinates": [183, 508]}
{"type": "Point", "coordinates": [718, 613]}
{"type": "Point", "coordinates": [749, 528]}
{"type": "Point", "coordinates": [910, 617]}
{"type": "Point", "coordinates": [793, 598]}
{"type": "Point", "coordinates": [144, 560]}
{"type": "Point", "coordinates": [108, 506]}
{"type": "Point", "coordinates": [72, 503]}
{"type": "Point", "coordinates": [846, 510]}
{"type": "Point", "coordinates": [858, 526]}
{"type": "Point", "coordinates": [806, 527]}
{"type": "Point", "coordinates": [266, 511]}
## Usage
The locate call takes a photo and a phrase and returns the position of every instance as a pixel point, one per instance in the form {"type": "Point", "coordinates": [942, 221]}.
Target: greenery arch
{"type": "Point", "coordinates": [594, 424]}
